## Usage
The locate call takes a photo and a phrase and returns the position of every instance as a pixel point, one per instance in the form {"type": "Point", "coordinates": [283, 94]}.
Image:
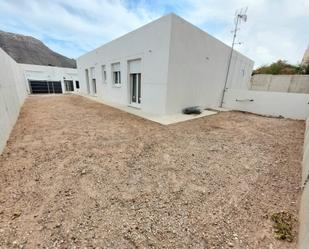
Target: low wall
{"type": "Point", "coordinates": [280, 83]}
{"type": "Point", "coordinates": [12, 95]}
{"type": "Point", "coordinates": [289, 105]}
{"type": "Point", "coordinates": [304, 208]}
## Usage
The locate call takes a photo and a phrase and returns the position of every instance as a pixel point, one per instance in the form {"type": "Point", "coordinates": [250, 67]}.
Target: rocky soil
{"type": "Point", "coordinates": [78, 174]}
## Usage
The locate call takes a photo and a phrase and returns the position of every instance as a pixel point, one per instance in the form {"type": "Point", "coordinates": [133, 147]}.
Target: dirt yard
{"type": "Point", "coordinates": [78, 174]}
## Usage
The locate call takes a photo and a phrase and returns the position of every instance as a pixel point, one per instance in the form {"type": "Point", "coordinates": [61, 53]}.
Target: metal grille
{"type": "Point", "coordinates": [45, 87]}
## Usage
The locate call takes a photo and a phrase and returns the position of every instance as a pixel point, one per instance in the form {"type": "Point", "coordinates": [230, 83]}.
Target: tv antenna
{"type": "Point", "coordinates": [240, 16]}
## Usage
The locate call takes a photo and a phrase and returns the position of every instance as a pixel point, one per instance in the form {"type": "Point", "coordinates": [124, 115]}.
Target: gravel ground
{"type": "Point", "coordinates": [78, 174]}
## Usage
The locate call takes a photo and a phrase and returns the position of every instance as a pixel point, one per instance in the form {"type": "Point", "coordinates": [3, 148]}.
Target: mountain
{"type": "Point", "coordinates": [29, 50]}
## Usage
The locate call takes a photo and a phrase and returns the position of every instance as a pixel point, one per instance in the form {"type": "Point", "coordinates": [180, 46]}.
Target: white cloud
{"type": "Point", "coordinates": [83, 24]}
{"type": "Point", "coordinates": [275, 29]}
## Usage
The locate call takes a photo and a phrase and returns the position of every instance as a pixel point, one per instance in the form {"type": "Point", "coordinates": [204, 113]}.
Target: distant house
{"type": "Point", "coordinates": [49, 79]}
{"type": "Point", "coordinates": [162, 67]}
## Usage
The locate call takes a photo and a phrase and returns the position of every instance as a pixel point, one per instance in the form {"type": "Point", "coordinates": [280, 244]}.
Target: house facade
{"type": "Point", "coordinates": [49, 79]}
{"type": "Point", "coordinates": [162, 67]}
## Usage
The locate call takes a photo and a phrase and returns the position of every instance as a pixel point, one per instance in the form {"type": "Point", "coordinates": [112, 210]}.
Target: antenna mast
{"type": "Point", "coordinates": [240, 15]}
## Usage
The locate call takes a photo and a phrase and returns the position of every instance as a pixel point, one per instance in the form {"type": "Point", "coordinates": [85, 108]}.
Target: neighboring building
{"type": "Point", "coordinates": [305, 60]}
{"type": "Point", "coordinates": [163, 67]}
{"type": "Point", "coordinates": [48, 80]}
{"type": "Point", "coordinates": [44, 70]}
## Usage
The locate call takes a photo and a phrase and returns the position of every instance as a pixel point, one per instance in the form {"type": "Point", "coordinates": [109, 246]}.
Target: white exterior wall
{"type": "Point", "coordinates": [289, 105]}
{"type": "Point", "coordinates": [240, 72]}
{"type": "Point", "coordinates": [181, 66]}
{"type": "Point", "coordinates": [150, 44]}
{"type": "Point", "coordinates": [198, 66]}
{"type": "Point", "coordinates": [48, 73]}
{"type": "Point", "coordinates": [12, 95]}
{"type": "Point", "coordinates": [280, 83]}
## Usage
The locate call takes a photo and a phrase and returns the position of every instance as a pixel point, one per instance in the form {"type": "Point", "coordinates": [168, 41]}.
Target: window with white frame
{"type": "Point", "coordinates": [116, 73]}
{"type": "Point", "coordinates": [103, 74]}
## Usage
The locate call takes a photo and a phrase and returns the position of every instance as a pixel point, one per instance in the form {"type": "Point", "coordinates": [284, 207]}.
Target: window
{"type": "Point", "coordinates": [93, 81]}
{"type": "Point", "coordinates": [103, 74]}
{"type": "Point", "coordinates": [77, 84]}
{"type": "Point", "coordinates": [68, 85]}
{"type": "Point", "coordinates": [116, 73]}
{"type": "Point", "coordinates": [117, 77]}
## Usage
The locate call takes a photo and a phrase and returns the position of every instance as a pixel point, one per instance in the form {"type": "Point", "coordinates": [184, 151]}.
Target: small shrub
{"type": "Point", "coordinates": [283, 225]}
{"type": "Point", "coordinates": [282, 67]}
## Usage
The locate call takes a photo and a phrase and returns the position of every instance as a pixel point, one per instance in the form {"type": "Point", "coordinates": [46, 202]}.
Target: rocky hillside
{"type": "Point", "coordinates": [28, 50]}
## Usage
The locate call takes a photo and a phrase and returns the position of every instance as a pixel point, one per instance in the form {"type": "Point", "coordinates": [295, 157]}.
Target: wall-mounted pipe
{"type": "Point", "coordinates": [244, 100]}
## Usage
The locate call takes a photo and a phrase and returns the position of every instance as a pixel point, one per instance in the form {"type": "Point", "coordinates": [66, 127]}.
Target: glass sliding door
{"type": "Point", "coordinates": [87, 81]}
{"type": "Point", "coordinates": [135, 82]}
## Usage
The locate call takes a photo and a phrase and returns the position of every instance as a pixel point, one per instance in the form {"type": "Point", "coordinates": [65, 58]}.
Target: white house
{"type": "Point", "coordinates": [162, 67]}
{"type": "Point", "coordinates": [49, 79]}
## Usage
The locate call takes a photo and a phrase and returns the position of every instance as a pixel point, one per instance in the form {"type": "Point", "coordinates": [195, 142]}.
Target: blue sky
{"type": "Point", "coordinates": [276, 29]}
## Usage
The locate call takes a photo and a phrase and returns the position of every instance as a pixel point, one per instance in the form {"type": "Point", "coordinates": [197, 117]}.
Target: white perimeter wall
{"type": "Point", "coordinates": [149, 43]}
{"type": "Point", "coordinates": [48, 73]}
{"type": "Point", "coordinates": [289, 105]}
{"type": "Point", "coordinates": [303, 240]}
{"type": "Point", "coordinates": [280, 83]}
{"type": "Point", "coordinates": [197, 68]}
{"type": "Point", "coordinates": [12, 95]}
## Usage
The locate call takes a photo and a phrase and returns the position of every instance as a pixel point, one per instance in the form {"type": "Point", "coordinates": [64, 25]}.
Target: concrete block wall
{"type": "Point", "coordinates": [280, 83]}
{"type": "Point", "coordinates": [288, 105]}
{"type": "Point", "coordinates": [303, 240]}
{"type": "Point", "coordinates": [12, 95]}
